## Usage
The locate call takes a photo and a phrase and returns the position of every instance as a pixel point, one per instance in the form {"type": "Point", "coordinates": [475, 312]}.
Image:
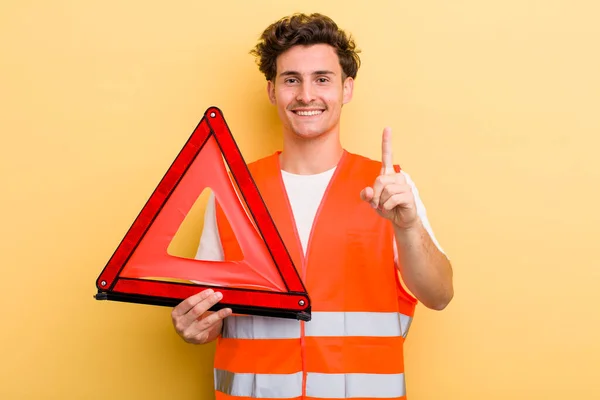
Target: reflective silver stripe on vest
{"type": "Point", "coordinates": [258, 327]}
{"type": "Point", "coordinates": [357, 324]}
{"type": "Point", "coordinates": [341, 386]}
{"type": "Point", "coordinates": [325, 386]}
{"type": "Point", "coordinates": [375, 324]}
{"type": "Point", "coordinates": [262, 386]}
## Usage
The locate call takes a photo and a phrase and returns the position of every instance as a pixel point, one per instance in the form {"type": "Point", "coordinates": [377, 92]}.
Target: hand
{"type": "Point", "coordinates": [390, 195]}
{"type": "Point", "coordinates": [192, 320]}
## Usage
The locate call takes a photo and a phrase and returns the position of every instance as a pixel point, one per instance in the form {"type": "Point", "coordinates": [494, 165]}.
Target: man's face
{"type": "Point", "coordinates": [308, 90]}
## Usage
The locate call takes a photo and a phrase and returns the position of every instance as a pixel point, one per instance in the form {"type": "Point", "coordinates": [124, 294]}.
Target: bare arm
{"type": "Point", "coordinates": [424, 268]}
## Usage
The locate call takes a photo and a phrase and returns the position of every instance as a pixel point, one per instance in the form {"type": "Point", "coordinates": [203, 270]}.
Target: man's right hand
{"type": "Point", "coordinates": [192, 320]}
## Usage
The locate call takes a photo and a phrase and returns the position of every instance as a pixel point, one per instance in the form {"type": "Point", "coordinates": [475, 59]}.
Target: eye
{"type": "Point", "coordinates": [291, 80]}
{"type": "Point", "coordinates": [323, 80]}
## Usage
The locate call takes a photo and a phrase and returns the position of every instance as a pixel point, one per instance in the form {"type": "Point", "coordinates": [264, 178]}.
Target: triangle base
{"type": "Point", "coordinates": [236, 309]}
{"type": "Point", "coordinates": [291, 305]}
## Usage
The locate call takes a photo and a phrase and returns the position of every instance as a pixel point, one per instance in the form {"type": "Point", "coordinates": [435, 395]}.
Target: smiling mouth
{"type": "Point", "coordinates": [307, 113]}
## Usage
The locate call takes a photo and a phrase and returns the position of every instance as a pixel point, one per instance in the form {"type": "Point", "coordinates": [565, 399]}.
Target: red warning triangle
{"type": "Point", "coordinates": [265, 282]}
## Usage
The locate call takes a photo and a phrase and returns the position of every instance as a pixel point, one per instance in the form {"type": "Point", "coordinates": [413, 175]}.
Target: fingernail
{"type": "Point", "coordinates": [219, 295]}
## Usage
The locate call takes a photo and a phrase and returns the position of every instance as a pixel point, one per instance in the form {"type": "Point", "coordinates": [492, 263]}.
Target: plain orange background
{"type": "Point", "coordinates": [495, 112]}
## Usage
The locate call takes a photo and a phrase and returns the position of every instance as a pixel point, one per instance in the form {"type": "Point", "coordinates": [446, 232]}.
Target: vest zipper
{"type": "Point", "coordinates": [303, 257]}
{"type": "Point", "coordinates": [304, 268]}
{"type": "Point", "coordinates": [302, 274]}
{"type": "Point", "coordinates": [303, 357]}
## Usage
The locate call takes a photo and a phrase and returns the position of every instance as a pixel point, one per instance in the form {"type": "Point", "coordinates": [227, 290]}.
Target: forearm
{"type": "Point", "coordinates": [425, 270]}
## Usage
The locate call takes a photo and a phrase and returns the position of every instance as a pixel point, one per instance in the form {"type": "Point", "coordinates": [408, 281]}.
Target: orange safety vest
{"type": "Point", "coordinates": [353, 345]}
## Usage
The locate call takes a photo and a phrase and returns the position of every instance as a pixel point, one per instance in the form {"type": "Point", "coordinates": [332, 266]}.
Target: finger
{"type": "Point", "coordinates": [380, 183]}
{"type": "Point", "coordinates": [392, 190]}
{"type": "Point", "coordinates": [199, 330]}
{"type": "Point", "coordinates": [202, 307]}
{"type": "Point", "coordinates": [215, 317]}
{"type": "Point", "coordinates": [386, 152]}
{"type": "Point", "coordinates": [186, 305]}
{"type": "Point", "coordinates": [195, 333]}
{"type": "Point", "coordinates": [192, 335]}
{"type": "Point", "coordinates": [366, 194]}
{"type": "Point", "coordinates": [401, 199]}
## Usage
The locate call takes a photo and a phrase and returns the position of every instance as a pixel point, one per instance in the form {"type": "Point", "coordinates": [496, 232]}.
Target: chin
{"type": "Point", "coordinates": [308, 134]}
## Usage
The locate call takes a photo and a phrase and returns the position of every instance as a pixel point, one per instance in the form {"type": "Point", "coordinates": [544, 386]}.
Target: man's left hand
{"type": "Point", "coordinates": [390, 194]}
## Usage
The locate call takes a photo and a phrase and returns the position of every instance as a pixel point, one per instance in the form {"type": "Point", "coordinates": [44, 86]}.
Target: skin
{"type": "Point", "coordinates": [192, 320]}
{"type": "Point", "coordinates": [310, 80]}
{"type": "Point", "coordinates": [424, 268]}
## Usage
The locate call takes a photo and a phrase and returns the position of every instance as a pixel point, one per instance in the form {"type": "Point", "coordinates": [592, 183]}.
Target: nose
{"type": "Point", "coordinates": [305, 93]}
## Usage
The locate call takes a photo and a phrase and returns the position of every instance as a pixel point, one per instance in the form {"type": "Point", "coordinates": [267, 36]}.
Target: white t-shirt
{"type": "Point", "coordinates": [305, 193]}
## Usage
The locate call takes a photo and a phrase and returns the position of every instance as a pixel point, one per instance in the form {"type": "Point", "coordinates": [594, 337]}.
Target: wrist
{"type": "Point", "coordinates": [409, 233]}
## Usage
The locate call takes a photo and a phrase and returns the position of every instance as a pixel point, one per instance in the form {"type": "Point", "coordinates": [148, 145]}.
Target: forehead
{"type": "Point", "coordinates": [307, 59]}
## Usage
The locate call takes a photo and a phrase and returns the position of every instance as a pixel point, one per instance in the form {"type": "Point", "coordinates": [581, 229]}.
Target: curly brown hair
{"type": "Point", "coordinates": [303, 29]}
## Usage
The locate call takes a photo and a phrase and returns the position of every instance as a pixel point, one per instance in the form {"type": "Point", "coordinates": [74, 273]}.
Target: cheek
{"type": "Point", "coordinates": [333, 106]}
{"type": "Point", "coordinates": [285, 98]}
{"type": "Point", "coordinates": [332, 99]}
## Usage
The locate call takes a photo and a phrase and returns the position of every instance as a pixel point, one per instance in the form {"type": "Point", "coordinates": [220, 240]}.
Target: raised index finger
{"type": "Point", "coordinates": [387, 165]}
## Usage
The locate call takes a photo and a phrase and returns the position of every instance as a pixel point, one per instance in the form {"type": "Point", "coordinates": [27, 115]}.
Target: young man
{"type": "Point", "coordinates": [353, 226]}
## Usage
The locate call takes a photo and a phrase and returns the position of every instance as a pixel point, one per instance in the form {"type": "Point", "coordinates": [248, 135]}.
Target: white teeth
{"type": "Point", "coordinates": [308, 113]}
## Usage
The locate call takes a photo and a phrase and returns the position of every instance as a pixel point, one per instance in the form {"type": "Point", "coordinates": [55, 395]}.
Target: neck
{"type": "Point", "coordinates": [310, 156]}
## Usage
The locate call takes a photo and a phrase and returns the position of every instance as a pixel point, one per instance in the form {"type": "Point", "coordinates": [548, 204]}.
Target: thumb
{"type": "Point", "coordinates": [366, 194]}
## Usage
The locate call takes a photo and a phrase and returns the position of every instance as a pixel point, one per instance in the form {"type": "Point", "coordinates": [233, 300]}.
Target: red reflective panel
{"type": "Point", "coordinates": [265, 282]}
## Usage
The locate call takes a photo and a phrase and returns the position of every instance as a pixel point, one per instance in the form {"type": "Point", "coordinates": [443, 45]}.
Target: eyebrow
{"type": "Point", "coordinates": [321, 72]}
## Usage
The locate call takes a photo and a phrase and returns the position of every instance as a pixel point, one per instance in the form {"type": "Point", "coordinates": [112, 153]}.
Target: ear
{"type": "Point", "coordinates": [271, 91]}
{"type": "Point", "coordinates": [348, 90]}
